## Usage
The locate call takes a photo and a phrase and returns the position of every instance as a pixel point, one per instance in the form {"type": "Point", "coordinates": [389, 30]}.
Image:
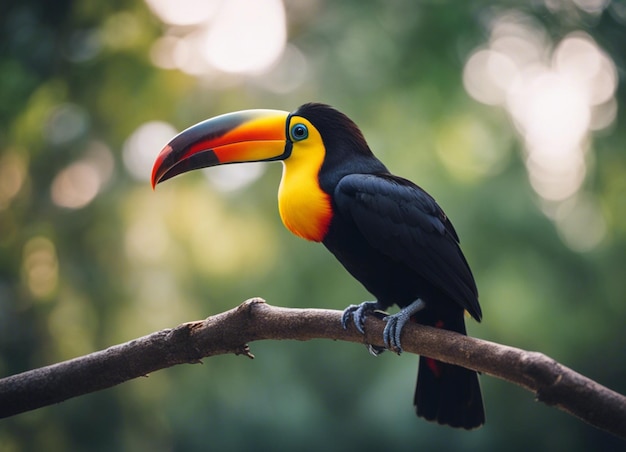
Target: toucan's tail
{"type": "Point", "coordinates": [449, 394]}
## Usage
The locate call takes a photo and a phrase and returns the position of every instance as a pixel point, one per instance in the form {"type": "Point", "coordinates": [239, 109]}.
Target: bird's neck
{"type": "Point", "coordinates": [304, 207]}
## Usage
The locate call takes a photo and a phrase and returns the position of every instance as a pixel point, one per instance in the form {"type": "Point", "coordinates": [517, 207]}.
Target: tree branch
{"type": "Point", "coordinates": [229, 332]}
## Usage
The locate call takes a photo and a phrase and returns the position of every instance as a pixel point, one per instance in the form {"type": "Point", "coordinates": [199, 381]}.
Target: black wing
{"type": "Point", "coordinates": [404, 222]}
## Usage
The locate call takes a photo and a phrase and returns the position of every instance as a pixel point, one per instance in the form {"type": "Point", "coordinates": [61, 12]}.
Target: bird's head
{"type": "Point", "coordinates": [301, 138]}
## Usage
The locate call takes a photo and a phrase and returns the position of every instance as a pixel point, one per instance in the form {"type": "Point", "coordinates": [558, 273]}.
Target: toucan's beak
{"type": "Point", "coordinates": [245, 136]}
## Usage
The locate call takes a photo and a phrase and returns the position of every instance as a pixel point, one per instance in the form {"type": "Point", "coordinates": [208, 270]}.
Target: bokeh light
{"type": "Point", "coordinates": [233, 37]}
{"type": "Point", "coordinates": [247, 37]}
{"type": "Point", "coordinates": [581, 223]}
{"type": "Point", "coordinates": [184, 12]}
{"type": "Point", "coordinates": [78, 184]}
{"type": "Point", "coordinates": [40, 267]}
{"type": "Point", "coordinates": [75, 186]}
{"type": "Point", "coordinates": [12, 177]}
{"type": "Point", "coordinates": [556, 95]}
{"type": "Point", "coordinates": [142, 146]}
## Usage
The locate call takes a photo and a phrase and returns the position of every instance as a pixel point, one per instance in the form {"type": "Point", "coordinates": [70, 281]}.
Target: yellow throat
{"type": "Point", "coordinates": [304, 207]}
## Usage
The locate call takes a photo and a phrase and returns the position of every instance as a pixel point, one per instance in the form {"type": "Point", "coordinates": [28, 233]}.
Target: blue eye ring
{"type": "Point", "coordinates": [299, 132]}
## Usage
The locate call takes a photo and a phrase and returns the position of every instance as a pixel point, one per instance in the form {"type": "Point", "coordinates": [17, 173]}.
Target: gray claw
{"type": "Point", "coordinates": [392, 331]}
{"type": "Point", "coordinates": [375, 350]}
{"type": "Point", "coordinates": [395, 323]}
{"type": "Point", "coordinates": [358, 313]}
{"type": "Point", "coordinates": [347, 313]}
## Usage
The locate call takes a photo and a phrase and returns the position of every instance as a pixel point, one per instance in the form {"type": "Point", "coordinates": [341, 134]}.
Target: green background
{"type": "Point", "coordinates": [76, 81]}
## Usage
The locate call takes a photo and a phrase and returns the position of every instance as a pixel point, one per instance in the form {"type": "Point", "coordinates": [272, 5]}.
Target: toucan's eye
{"type": "Point", "coordinates": [299, 132]}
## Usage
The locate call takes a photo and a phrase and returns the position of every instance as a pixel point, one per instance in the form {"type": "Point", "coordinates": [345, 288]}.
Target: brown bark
{"type": "Point", "coordinates": [231, 331]}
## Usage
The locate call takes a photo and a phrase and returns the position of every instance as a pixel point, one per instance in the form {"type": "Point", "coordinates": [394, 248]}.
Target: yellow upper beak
{"type": "Point", "coordinates": [245, 136]}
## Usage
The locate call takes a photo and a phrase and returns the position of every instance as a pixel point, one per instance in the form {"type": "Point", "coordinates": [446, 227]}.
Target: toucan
{"type": "Point", "coordinates": [385, 230]}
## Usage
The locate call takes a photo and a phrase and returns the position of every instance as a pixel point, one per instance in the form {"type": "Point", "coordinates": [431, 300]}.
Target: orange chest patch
{"type": "Point", "coordinates": [305, 209]}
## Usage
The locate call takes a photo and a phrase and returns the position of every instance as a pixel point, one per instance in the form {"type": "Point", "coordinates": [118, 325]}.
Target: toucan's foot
{"type": "Point", "coordinates": [395, 323]}
{"type": "Point", "coordinates": [358, 313]}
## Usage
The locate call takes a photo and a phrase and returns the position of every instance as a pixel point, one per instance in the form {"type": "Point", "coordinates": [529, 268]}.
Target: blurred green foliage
{"type": "Point", "coordinates": [80, 274]}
